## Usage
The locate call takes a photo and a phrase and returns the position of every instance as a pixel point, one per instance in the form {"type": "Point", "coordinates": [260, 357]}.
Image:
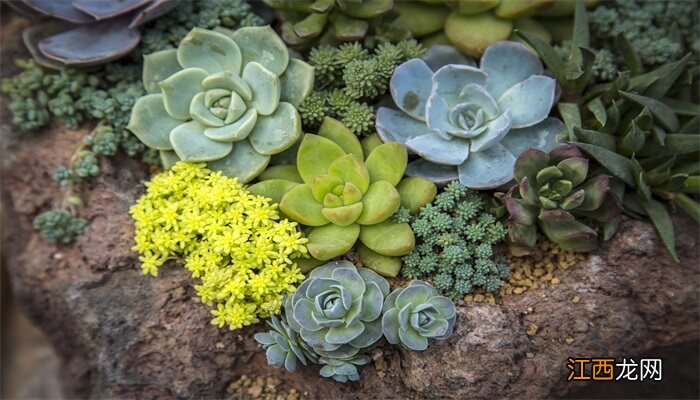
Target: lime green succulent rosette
{"type": "Point", "coordinates": [224, 97]}
{"type": "Point", "coordinates": [344, 197]}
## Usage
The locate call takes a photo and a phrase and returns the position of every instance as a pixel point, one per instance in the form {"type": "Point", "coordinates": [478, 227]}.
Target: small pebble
{"type": "Point", "coordinates": [569, 340]}
{"type": "Point", "coordinates": [532, 330]}
{"type": "Point", "coordinates": [576, 299]}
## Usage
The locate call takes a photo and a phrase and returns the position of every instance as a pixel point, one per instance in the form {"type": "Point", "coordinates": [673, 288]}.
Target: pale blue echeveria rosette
{"type": "Point", "coordinates": [471, 123]}
{"type": "Point", "coordinates": [224, 97]}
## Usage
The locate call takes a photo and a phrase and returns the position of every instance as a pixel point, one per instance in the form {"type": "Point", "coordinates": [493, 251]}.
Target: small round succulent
{"type": "Point", "coordinates": [283, 347]}
{"type": "Point", "coordinates": [224, 97]}
{"type": "Point", "coordinates": [553, 190]}
{"type": "Point", "coordinates": [337, 310]}
{"type": "Point", "coordinates": [415, 315]}
{"type": "Point", "coordinates": [470, 123]}
{"type": "Point", "coordinates": [342, 370]}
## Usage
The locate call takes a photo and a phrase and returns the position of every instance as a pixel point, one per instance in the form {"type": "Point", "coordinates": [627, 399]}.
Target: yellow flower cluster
{"type": "Point", "coordinates": [230, 239]}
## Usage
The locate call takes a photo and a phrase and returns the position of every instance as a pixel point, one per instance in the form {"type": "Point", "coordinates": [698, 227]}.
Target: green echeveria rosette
{"type": "Point", "coordinates": [415, 315]}
{"type": "Point", "coordinates": [343, 197]}
{"type": "Point", "coordinates": [283, 346]}
{"type": "Point", "coordinates": [343, 370]}
{"type": "Point", "coordinates": [553, 190]}
{"type": "Point", "coordinates": [337, 310]}
{"type": "Point", "coordinates": [470, 123]}
{"type": "Point", "coordinates": [224, 97]}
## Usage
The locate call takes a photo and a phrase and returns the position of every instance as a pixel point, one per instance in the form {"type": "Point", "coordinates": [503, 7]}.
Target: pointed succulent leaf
{"type": "Point", "coordinates": [498, 63]}
{"type": "Point", "coordinates": [529, 101]}
{"type": "Point", "coordinates": [410, 86]}
{"type": "Point", "coordinates": [330, 241]}
{"type": "Point", "coordinates": [275, 133]}
{"type": "Point", "coordinates": [316, 154]}
{"type": "Point", "coordinates": [573, 201]}
{"type": "Point", "coordinates": [529, 163]}
{"type": "Point", "coordinates": [656, 83]}
{"type": "Point", "coordinates": [595, 138]}
{"type": "Point", "coordinates": [151, 123]}
{"type": "Point", "coordinates": [380, 202]}
{"type": "Point", "coordinates": [334, 130]}
{"type": "Point", "coordinates": [661, 219]}
{"type": "Point", "coordinates": [243, 163]}
{"type": "Point", "coordinates": [563, 229]}
{"type": "Point", "coordinates": [663, 114]}
{"type": "Point", "coordinates": [190, 143]}
{"type": "Point", "coordinates": [388, 238]}
{"type": "Point", "coordinates": [618, 165]}
{"type": "Point", "coordinates": [575, 169]}
{"type": "Point", "coordinates": [546, 52]}
{"type": "Point", "coordinates": [179, 90]}
{"type": "Point", "coordinates": [519, 212]}
{"type": "Point", "coordinates": [210, 51]}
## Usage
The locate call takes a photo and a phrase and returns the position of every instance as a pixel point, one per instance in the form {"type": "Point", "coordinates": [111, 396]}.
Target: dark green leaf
{"type": "Point", "coordinates": [613, 121]}
{"type": "Point", "coordinates": [692, 126]}
{"type": "Point", "coordinates": [618, 165]}
{"type": "Point", "coordinates": [663, 113]}
{"type": "Point", "coordinates": [688, 205]}
{"type": "Point", "coordinates": [571, 115]}
{"type": "Point", "coordinates": [597, 107]}
{"type": "Point", "coordinates": [658, 135]}
{"type": "Point", "coordinates": [629, 54]}
{"type": "Point", "coordinates": [659, 216]}
{"type": "Point", "coordinates": [640, 178]}
{"type": "Point", "coordinates": [675, 144]}
{"type": "Point", "coordinates": [659, 81]}
{"type": "Point", "coordinates": [546, 52]}
{"type": "Point", "coordinates": [682, 108]}
{"type": "Point", "coordinates": [581, 37]}
{"type": "Point", "coordinates": [632, 141]}
{"type": "Point", "coordinates": [596, 138]}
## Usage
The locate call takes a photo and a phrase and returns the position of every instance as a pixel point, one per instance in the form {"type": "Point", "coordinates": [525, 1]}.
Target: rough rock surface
{"type": "Point", "coordinates": [121, 334]}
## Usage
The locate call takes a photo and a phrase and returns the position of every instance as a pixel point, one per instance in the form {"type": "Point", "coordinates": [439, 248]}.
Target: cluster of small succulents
{"type": "Point", "coordinates": [245, 264]}
{"type": "Point", "coordinates": [340, 312]}
{"type": "Point", "coordinates": [347, 78]}
{"type": "Point", "coordinates": [59, 225]}
{"type": "Point", "coordinates": [345, 194]}
{"type": "Point", "coordinates": [223, 97]}
{"type": "Point", "coordinates": [471, 123]}
{"type": "Point", "coordinates": [455, 243]}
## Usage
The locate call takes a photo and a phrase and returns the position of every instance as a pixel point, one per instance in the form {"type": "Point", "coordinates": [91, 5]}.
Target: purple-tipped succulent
{"type": "Point", "coordinates": [471, 123]}
{"type": "Point", "coordinates": [554, 192]}
{"type": "Point", "coordinates": [84, 33]}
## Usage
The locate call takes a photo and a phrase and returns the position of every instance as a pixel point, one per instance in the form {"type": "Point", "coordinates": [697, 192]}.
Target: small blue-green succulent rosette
{"type": "Point", "coordinates": [416, 315]}
{"type": "Point", "coordinates": [471, 123]}
{"type": "Point", "coordinates": [337, 309]}
{"type": "Point", "coordinates": [224, 97]}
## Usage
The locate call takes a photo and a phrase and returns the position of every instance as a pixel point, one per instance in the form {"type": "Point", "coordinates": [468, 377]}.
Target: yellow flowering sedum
{"type": "Point", "coordinates": [230, 239]}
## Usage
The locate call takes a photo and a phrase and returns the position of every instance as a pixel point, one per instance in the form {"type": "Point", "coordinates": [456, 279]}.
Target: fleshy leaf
{"type": "Point", "coordinates": [151, 123]}
{"type": "Point", "coordinates": [438, 150]}
{"type": "Point", "coordinates": [266, 88]}
{"type": "Point", "coordinates": [229, 81]}
{"type": "Point", "coordinates": [387, 162]}
{"type": "Point", "coordinates": [243, 162]}
{"type": "Point", "coordinates": [300, 205]}
{"type": "Point", "coordinates": [344, 215]}
{"type": "Point", "coordinates": [507, 63]}
{"type": "Point", "coordinates": [383, 265]}
{"type": "Point", "coordinates": [168, 158]}
{"type": "Point", "coordinates": [497, 128]}
{"type": "Point", "coordinates": [261, 44]}
{"type": "Point", "coordinates": [380, 202]}
{"type": "Point", "coordinates": [157, 67]}
{"type": "Point", "coordinates": [316, 154]}
{"type": "Point", "coordinates": [439, 174]}
{"type": "Point", "coordinates": [238, 130]}
{"type": "Point", "coordinates": [437, 56]}
{"type": "Point", "coordinates": [334, 130]}
{"type": "Point", "coordinates": [570, 234]}
{"type": "Point", "coordinates": [388, 238]}
{"type": "Point", "coordinates": [210, 51]}
{"type": "Point", "coordinates": [351, 169]}
{"type": "Point", "coordinates": [179, 90]}
{"type": "Point", "coordinates": [487, 169]}
{"type": "Point", "coordinates": [410, 86]}
{"type": "Point", "coordinates": [275, 133]}
{"type": "Point", "coordinates": [396, 126]}
{"type": "Point", "coordinates": [329, 241]}
{"type": "Point", "coordinates": [541, 136]}
{"type": "Point", "coordinates": [529, 101]}
{"type": "Point", "coordinates": [449, 80]}
{"type": "Point", "coordinates": [280, 171]}
{"type": "Point", "coordinates": [191, 145]}
{"type": "Point", "coordinates": [297, 82]}
{"type": "Point", "coordinates": [416, 192]}
{"type": "Point", "coordinates": [272, 188]}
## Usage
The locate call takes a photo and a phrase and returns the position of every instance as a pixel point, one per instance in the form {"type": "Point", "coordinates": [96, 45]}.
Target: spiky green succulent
{"type": "Point", "coordinates": [415, 315]}
{"type": "Point", "coordinates": [345, 197]}
{"type": "Point", "coordinates": [555, 192]}
{"type": "Point", "coordinates": [224, 97]}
